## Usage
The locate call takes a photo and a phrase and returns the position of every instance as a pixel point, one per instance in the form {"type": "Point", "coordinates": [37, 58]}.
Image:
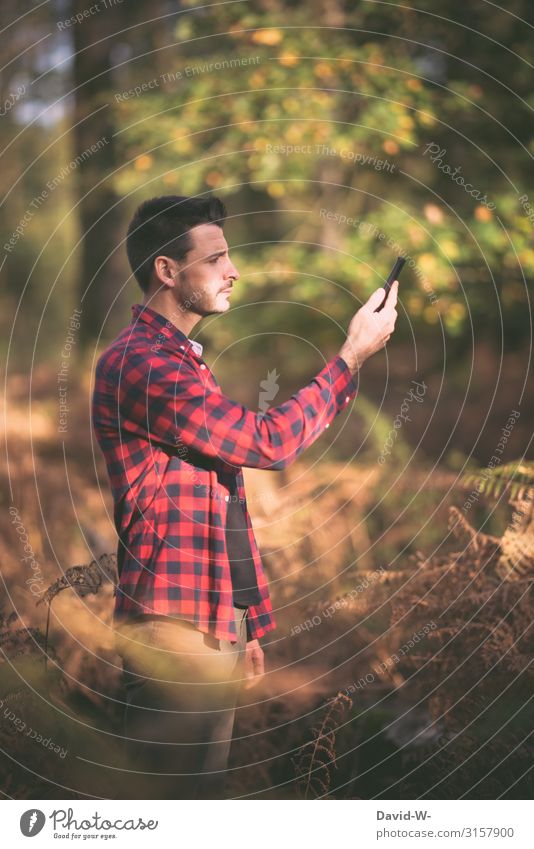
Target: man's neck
{"type": "Point", "coordinates": [165, 305]}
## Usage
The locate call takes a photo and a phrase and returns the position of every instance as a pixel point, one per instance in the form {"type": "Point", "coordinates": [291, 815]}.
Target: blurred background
{"type": "Point", "coordinates": [339, 135]}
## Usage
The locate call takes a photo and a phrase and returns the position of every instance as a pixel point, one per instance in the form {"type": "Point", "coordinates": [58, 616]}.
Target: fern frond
{"type": "Point", "coordinates": [316, 757]}
{"type": "Point", "coordinates": [84, 579]}
{"type": "Point", "coordinates": [517, 478]}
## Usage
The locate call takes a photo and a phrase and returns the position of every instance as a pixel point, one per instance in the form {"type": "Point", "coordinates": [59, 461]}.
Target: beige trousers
{"type": "Point", "coordinates": [181, 688]}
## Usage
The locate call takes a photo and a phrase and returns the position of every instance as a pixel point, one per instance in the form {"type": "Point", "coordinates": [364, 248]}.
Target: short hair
{"type": "Point", "coordinates": [161, 226]}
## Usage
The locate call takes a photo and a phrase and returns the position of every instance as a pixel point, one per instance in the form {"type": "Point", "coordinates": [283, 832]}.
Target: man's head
{"type": "Point", "coordinates": [176, 245]}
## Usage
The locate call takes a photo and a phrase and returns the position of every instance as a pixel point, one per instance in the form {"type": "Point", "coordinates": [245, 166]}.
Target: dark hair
{"type": "Point", "coordinates": [160, 226]}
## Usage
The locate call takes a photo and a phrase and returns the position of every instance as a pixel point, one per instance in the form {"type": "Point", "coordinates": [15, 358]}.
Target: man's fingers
{"type": "Point", "coordinates": [376, 299]}
{"type": "Point", "coordinates": [258, 662]}
{"type": "Point", "coordinates": [254, 666]}
{"type": "Point", "coordinates": [252, 679]}
{"type": "Point", "coordinates": [391, 300]}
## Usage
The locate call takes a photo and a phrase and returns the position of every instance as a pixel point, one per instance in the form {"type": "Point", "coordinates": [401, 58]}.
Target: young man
{"type": "Point", "coordinates": [192, 599]}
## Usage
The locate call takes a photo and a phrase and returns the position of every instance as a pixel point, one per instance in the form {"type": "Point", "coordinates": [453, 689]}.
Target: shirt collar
{"type": "Point", "coordinates": [161, 325]}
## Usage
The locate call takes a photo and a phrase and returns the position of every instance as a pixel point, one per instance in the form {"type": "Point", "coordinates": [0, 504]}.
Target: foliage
{"type": "Point", "coordinates": [516, 480]}
{"type": "Point", "coordinates": [318, 757]}
{"type": "Point", "coordinates": [297, 128]}
{"type": "Point", "coordinates": [84, 579]}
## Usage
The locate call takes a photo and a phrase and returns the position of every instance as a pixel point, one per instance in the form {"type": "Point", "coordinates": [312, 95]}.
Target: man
{"type": "Point", "coordinates": [192, 600]}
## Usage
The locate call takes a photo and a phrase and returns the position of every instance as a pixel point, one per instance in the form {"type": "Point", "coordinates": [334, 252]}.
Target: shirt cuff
{"type": "Point", "coordinates": [342, 381]}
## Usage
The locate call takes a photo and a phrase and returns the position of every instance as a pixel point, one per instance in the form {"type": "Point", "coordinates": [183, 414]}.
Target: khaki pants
{"type": "Point", "coordinates": [181, 690]}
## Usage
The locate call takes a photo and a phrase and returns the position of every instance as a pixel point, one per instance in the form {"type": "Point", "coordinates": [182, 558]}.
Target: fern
{"type": "Point", "coordinates": [516, 480]}
{"type": "Point", "coordinates": [84, 579]}
{"type": "Point", "coordinates": [318, 756]}
{"type": "Point", "coordinates": [516, 477]}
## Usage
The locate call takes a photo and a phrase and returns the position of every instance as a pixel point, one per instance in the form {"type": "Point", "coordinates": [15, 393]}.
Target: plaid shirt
{"type": "Point", "coordinates": [174, 446]}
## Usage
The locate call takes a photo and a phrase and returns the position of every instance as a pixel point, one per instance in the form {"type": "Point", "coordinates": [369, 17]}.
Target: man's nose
{"type": "Point", "coordinates": [233, 272]}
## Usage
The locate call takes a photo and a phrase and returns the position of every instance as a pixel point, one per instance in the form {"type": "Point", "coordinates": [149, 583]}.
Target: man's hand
{"type": "Point", "coordinates": [254, 664]}
{"type": "Point", "coordinates": [369, 330]}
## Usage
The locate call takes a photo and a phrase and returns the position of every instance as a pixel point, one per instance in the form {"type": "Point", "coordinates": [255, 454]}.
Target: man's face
{"type": "Point", "coordinates": [207, 274]}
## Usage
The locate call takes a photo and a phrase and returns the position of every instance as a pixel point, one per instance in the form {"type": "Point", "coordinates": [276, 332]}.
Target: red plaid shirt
{"type": "Point", "coordinates": [173, 445]}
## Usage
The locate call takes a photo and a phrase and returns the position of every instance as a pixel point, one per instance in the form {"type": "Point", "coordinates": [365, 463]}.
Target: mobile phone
{"type": "Point", "coordinates": [393, 275]}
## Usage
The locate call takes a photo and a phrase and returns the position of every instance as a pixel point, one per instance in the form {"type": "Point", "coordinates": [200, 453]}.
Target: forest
{"type": "Point", "coordinates": [400, 547]}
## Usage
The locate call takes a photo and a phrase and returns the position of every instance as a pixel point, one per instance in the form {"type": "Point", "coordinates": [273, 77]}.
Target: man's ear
{"type": "Point", "coordinates": [165, 270]}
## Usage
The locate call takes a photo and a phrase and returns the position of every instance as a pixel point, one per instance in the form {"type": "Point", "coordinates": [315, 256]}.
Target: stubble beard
{"type": "Point", "coordinates": [192, 299]}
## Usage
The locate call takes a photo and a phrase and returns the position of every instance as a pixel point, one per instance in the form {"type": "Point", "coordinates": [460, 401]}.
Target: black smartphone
{"type": "Point", "coordinates": [393, 275]}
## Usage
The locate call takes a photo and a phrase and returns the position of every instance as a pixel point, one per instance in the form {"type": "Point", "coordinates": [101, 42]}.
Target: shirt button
{"type": "Point", "coordinates": [182, 347]}
{"type": "Point", "coordinates": [202, 365]}
{"type": "Point", "coordinates": [327, 424]}
{"type": "Point", "coordinates": [227, 498]}
{"type": "Point", "coordinates": [347, 399]}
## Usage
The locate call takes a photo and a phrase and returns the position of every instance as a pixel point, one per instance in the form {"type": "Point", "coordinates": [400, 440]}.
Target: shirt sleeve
{"type": "Point", "coordinates": [167, 400]}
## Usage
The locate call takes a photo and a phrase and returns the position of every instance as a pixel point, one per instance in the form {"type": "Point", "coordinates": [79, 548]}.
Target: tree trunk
{"type": "Point", "coordinates": [100, 258]}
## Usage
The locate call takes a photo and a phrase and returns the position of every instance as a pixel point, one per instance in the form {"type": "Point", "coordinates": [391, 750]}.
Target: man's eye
{"type": "Point", "coordinates": [213, 261]}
